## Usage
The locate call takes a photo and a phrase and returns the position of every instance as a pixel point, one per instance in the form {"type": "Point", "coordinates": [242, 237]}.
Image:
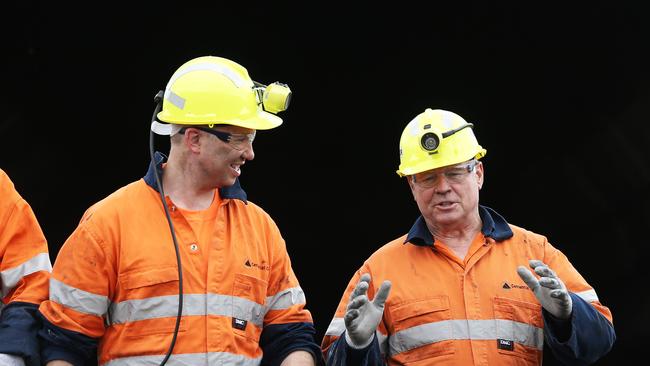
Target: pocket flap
{"type": "Point", "coordinates": [149, 277]}
{"type": "Point", "coordinates": [419, 307]}
{"type": "Point", "coordinates": [249, 287]}
{"type": "Point", "coordinates": [518, 310]}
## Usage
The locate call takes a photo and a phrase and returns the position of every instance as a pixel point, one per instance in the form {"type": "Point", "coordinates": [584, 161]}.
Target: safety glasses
{"type": "Point", "coordinates": [238, 141]}
{"type": "Point", "coordinates": [455, 174]}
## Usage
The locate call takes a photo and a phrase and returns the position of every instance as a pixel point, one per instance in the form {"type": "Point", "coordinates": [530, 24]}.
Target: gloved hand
{"type": "Point", "coordinates": [11, 360]}
{"type": "Point", "coordinates": [363, 316]}
{"type": "Point", "coordinates": [549, 289]}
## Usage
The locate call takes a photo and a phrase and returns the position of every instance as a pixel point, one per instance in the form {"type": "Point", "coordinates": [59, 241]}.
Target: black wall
{"type": "Point", "coordinates": [558, 94]}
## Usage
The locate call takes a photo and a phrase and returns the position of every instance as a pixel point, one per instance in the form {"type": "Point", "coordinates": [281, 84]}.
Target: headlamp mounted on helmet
{"type": "Point", "coordinates": [274, 97]}
{"type": "Point", "coordinates": [435, 139]}
{"type": "Point", "coordinates": [214, 90]}
{"type": "Point", "coordinates": [430, 141]}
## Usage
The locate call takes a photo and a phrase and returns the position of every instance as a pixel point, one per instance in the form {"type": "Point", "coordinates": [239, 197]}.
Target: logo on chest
{"type": "Point", "coordinates": [263, 266]}
{"type": "Point", "coordinates": [509, 286]}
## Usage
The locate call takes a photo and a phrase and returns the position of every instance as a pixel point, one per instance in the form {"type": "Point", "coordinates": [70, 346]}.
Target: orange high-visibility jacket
{"type": "Point", "coordinates": [445, 311]}
{"type": "Point", "coordinates": [24, 272]}
{"type": "Point", "coordinates": [115, 280]}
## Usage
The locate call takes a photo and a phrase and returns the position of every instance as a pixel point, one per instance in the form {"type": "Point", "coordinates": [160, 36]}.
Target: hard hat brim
{"type": "Point", "coordinates": [432, 164]}
{"type": "Point", "coordinates": [261, 121]}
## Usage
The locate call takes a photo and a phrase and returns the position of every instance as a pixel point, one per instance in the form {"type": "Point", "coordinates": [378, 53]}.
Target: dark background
{"type": "Point", "coordinates": [558, 94]}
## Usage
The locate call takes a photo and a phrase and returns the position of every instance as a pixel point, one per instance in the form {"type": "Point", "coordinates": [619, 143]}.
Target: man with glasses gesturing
{"type": "Point", "coordinates": [460, 290]}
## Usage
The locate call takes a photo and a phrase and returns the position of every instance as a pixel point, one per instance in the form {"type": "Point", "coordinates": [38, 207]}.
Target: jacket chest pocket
{"type": "Point", "coordinates": [248, 310]}
{"type": "Point", "coordinates": [422, 329]}
{"type": "Point", "coordinates": [152, 304]}
{"type": "Point", "coordinates": [519, 328]}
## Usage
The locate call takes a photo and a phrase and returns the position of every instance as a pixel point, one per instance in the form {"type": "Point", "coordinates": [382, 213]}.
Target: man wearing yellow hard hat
{"type": "Point", "coordinates": [456, 290]}
{"type": "Point", "coordinates": [179, 267]}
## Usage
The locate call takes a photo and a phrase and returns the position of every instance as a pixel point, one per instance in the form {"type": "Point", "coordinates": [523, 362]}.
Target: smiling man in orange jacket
{"type": "Point", "coordinates": [116, 285]}
{"type": "Point", "coordinates": [456, 290]}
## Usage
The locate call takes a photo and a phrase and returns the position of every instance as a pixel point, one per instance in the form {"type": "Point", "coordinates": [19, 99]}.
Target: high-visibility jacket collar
{"type": "Point", "coordinates": [494, 226]}
{"type": "Point", "coordinates": [234, 191]}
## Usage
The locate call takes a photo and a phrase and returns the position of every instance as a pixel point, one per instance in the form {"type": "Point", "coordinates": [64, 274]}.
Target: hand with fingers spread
{"type": "Point", "coordinates": [549, 289]}
{"type": "Point", "coordinates": [362, 315]}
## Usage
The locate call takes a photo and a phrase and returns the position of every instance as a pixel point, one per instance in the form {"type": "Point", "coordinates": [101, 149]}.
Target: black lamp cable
{"type": "Point", "coordinates": [158, 99]}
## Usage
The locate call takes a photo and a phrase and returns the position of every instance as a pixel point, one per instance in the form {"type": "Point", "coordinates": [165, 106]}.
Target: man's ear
{"type": "Point", "coordinates": [192, 140]}
{"type": "Point", "coordinates": [410, 180]}
{"type": "Point", "coordinates": [480, 174]}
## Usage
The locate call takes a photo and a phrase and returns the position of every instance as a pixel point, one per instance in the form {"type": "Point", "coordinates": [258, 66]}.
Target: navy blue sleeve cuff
{"type": "Point", "coordinates": [62, 344]}
{"type": "Point", "coordinates": [590, 334]}
{"type": "Point", "coordinates": [19, 325]}
{"type": "Point", "coordinates": [560, 329]}
{"type": "Point", "coordinates": [279, 340]}
{"type": "Point", "coordinates": [341, 354]}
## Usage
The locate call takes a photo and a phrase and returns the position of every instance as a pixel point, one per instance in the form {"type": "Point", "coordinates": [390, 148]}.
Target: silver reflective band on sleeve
{"type": "Point", "coordinates": [9, 278]}
{"type": "Point", "coordinates": [76, 299]}
{"type": "Point", "coordinates": [286, 299]}
{"type": "Point", "coordinates": [336, 327]}
{"type": "Point", "coordinates": [424, 334]}
{"type": "Point", "coordinates": [188, 359]}
{"type": "Point", "coordinates": [193, 304]}
{"type": "Point", "coordinates": [588, 296]}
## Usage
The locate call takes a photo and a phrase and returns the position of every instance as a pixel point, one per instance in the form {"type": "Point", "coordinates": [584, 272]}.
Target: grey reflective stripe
{"type": "Point", "coordinates": [76, 299]}
{"type": "Point", "coordinates": [241, 308]}
{"type": "Point", "coordinates": [155, 307]}
{"type": "Point", "coordinates": [286, 299]}
{"type": "Point", "coordinates": [424, 334]}
{"type": "Point", "coordinates": [188, 359]}
{"type": "Point", "coordinates": [193, 304]}
{"type": "Point", "coordinates": [447, 120]}
{"type": "Point", "coordinates": [9, 278]}
{"type": "Point", "coordinates": [234, 77]}
{"type": "Point", "coordinates": [337, 327]}
{"type": "Point", "coordinates": [522, 333]}
{"type": "Point", "coordinates": [588, 296]}
{"type": "Point", "coordinates": [176, 100]}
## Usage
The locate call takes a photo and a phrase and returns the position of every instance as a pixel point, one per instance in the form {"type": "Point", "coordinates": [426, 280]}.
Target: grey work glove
{"type": "Point", "coordinates": [11, 360]}
{"type": "Point", "coordinates": [362, 315]}
{"type": "Point", "coordinates": [549, 289]}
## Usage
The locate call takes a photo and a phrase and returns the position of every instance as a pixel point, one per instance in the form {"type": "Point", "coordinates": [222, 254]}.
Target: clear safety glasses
{"type": "Point", "coordinates": [238, 141]}
{"type": "Point", "coordinates": [454, 174]}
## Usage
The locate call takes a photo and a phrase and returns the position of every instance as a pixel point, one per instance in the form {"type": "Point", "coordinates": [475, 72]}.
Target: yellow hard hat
{"type": "Point", "coordinates": [436, 138]}
{"type": "Point", "coordinates": [213, 90]}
